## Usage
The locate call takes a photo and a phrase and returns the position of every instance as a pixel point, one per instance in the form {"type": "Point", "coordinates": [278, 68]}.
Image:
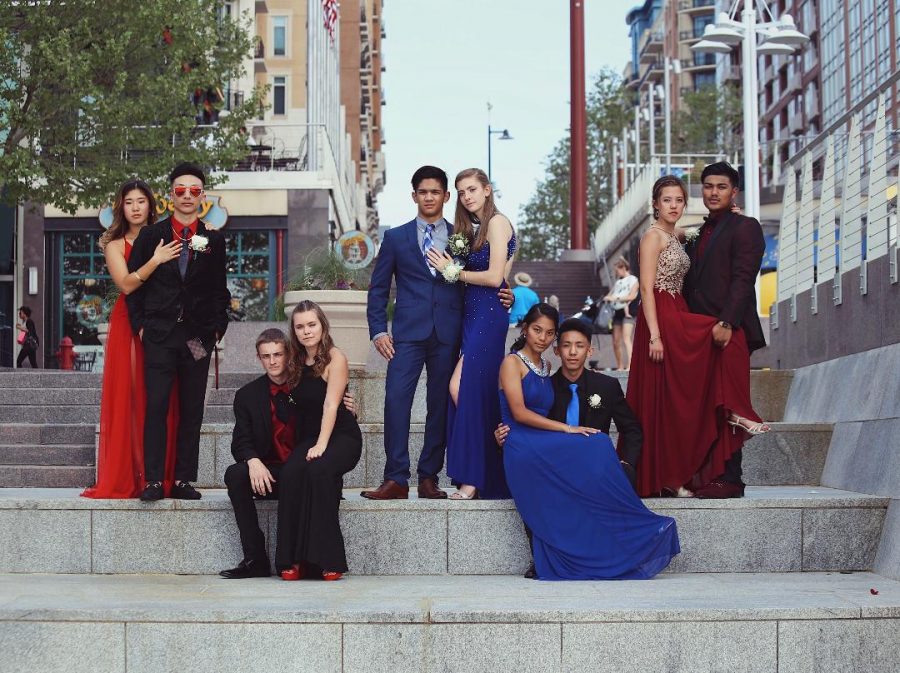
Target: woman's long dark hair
{"type": "Point", "coordinates": [537, 311]}
{"type": "Point", "coordinates": [119, 225]}
{"type": "Point", "coordinates": [297, 352]}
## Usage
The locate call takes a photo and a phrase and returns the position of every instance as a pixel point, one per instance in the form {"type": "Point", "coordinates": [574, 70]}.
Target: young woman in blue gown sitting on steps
{"type": "Point", "coordinates": [587, 522]}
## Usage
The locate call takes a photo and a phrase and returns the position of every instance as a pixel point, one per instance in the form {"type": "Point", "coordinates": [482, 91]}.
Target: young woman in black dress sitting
{"type": "Point", "coordinates": [328, 444]}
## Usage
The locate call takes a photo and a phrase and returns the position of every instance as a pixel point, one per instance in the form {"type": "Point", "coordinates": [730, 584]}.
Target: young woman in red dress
{"type": "Point", "coordinates": [120, 454]}
{"type": "Point", "coordinates": [691, 396]}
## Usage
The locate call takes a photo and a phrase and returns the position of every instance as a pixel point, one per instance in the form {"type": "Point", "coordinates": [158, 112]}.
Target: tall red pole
{"type": "Point", "coordinates": [578, 186]}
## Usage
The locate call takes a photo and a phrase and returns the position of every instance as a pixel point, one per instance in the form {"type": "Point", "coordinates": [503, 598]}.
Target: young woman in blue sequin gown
{"type": "Point", "coordinates": [474, 463]}
{"type": "Point", "coordinates": [585, 518]}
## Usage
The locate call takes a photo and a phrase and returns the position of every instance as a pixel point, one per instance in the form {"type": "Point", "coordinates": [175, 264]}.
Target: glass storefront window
{"type": "Point", "coordinates": [250, 268]}
{"type": "Point", "coordinates": [85, 286]}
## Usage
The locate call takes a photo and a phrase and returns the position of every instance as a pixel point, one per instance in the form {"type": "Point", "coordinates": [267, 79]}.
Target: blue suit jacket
{"type": "Point", "coordinates": [425, 303]}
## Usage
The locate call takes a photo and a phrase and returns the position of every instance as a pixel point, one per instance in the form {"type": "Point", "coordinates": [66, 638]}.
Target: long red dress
{"type": "Point", "coordinates": [683, 402]}
{"type": "Point", "coordinates": [123, 402]}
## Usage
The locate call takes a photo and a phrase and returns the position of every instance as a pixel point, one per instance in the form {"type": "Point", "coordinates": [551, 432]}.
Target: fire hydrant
{"type": "Point", "coordinates": [66, 353]}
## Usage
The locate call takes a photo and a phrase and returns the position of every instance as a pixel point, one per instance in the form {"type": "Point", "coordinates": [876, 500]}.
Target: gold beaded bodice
{"type": "Point", "coordinates": [672, 267]}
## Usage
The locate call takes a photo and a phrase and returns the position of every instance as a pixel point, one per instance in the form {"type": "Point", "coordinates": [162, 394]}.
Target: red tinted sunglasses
{"type": "Point", "coordinates": [194, 189]}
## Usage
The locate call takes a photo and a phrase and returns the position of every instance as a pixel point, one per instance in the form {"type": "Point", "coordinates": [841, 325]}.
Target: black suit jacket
{"type": "Point", "coordinates": [252, 434]}
{"type": "Point", "coordinates": [202, 297]}
{"type": "Point", "coordinates": [722, 283]}
{"type": "Point", "coordinates": [613, 407]}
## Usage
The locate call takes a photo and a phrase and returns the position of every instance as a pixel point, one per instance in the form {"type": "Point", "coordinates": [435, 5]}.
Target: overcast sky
{"type": "Point", "coordinates": [446, 60]}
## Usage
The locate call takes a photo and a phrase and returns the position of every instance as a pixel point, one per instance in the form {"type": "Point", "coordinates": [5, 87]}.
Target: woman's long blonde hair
{"type": "Point", "coordinates": [119, 226]}
{"type": "Point", "coordinates": [297, 352]}
{"type": "Point", "coordinates": [463, 220]}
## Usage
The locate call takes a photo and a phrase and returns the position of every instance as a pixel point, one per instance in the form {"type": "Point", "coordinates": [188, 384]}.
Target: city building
{"type": "Point", "coordinates": [313, 172]}
{"type": "Point", "coordinates": [852, 49]}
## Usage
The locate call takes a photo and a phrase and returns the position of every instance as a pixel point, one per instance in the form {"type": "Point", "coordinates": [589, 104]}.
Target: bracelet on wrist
{"type": "Point", "coordinates": [654, 339]}
{"type": "Point", "coordinates": [138, 276]}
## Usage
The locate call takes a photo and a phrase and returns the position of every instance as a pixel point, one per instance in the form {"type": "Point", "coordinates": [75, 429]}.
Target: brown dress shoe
{"type": "Point", "coordinates": [428, 489]}
{"type": "Point", "coordinates": [389, 490]}
{"type": "Point", "coordinates": [718, 490]}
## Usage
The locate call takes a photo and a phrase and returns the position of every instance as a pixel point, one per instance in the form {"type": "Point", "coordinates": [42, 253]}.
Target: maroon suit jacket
{"type": "Point", "coordinates": [723, 282]}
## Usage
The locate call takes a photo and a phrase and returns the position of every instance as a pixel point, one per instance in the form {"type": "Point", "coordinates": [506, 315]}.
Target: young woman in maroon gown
{"type": "Point", "coordinates": [120, 454]}
{"type": "Point", "coordinates": [691, 396]}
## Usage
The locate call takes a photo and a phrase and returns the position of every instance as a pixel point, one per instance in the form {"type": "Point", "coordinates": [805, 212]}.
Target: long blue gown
{"type": "Point", "coordinates": [472, 453]}
{"type": "Point", "coordinates": [586, 519]}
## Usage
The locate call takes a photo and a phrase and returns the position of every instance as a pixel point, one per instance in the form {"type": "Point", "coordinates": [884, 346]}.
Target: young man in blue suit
{"type": "Point", "coordinates": [426, 330]}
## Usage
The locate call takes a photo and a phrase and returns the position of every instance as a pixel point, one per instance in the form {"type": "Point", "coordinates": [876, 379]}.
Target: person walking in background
{"type": "Point", "coordinates": [27, 339]}
{"type": "Point", "coordinates": [123, 399]}
{"type": "Point", "coordinates": [523, 298]}
{"type": "Point", "coordinates": [179, 313]}
{"type": "Point", "coordinates": [328, 444]}
{"type": "Point", "coordinates": [686, 389]}
{"type": "Point", "coordinates": [566, 479]}
{"type": "Point", "coordinates": [473, 462]}
{"type": "Point", "coordinates": [623, 298]}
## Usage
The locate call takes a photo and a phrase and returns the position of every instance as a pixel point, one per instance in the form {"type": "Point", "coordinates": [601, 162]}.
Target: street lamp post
{"type": "Point", "coordinates": [504, 135]}
{"type": "Point", "coordinates": [669, 65]}
{"type": "Point", "coordinates": [779, 37]}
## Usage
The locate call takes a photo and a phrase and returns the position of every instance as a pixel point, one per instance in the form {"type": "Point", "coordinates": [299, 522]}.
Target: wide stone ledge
{"type": "Point", "coordinates": [772, 530]}
{"type": "Point", "coordinates": [792, 454]}
{"type": "Point", "coordinates": [449, 599]}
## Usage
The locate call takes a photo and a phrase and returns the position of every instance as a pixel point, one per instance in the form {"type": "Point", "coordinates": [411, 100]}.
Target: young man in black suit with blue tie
{"type": "Point", "coordinates": [588, 398]}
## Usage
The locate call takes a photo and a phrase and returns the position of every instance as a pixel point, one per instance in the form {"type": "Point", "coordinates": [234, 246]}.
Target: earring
{"type": "Point", "coordinates": [656, 213]}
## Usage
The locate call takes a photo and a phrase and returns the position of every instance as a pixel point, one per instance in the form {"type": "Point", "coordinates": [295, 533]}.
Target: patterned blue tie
{"type": "Point", "coordinates": [427, 244]}
{"type": "Point", "coordinates": [185, 251]}
{"type": "Point", "coordinates": [572, 409]}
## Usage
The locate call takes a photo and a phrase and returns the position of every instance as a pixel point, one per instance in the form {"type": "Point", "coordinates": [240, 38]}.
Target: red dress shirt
{"type": "Point", "coordinates": [282, 433]}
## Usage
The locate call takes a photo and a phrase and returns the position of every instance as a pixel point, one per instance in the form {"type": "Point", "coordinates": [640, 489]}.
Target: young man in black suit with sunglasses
{"type": "Point", "coordinates": [179, 313]}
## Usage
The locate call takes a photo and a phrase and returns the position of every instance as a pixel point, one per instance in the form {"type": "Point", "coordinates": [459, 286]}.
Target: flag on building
{"type": "Point", "coordinates": [330, 10]}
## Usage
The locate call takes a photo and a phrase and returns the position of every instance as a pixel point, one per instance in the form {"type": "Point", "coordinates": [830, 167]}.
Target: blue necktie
{"type": "Point", "coordinates": [185, 251]}
{"type": "Point", "coordinates": [572, 409]}
{"type": "Point", "coordinates": [427, 244]}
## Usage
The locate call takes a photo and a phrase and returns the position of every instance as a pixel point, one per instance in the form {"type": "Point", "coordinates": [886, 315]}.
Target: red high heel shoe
{"type": "Point", "coordinates": [331, 576]}
{"type": "Point", "coordinates": [296, 572]}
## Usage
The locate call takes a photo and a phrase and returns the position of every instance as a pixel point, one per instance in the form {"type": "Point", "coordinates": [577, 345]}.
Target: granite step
{"type": "Point", "coordinates": [46, 476]}
{"type": "Point", "coordinates": [791, 454]}
{"type": "Point", "coordinates": [47, 433]}
{"type": "Point", "coordinates": [50, 396]}
{"type": "Point", "coordinates": [62, 414]}
{"type": "Point", "coordinates": [685, 623]}
{"type": "Point", "coordinates": [48, 378]}
{"type": "Point", "coordinates": [773, 529]}
{"type": "Point", "coordinates": [47, 454]}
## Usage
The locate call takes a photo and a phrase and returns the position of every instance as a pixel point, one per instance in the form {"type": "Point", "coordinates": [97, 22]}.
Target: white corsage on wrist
{"type": "Point", "coordinates": [595, 401]}
{"type": "Point", "coordinates": [451, 272]}
{"type": "Point", "coordinates": [199, 243]}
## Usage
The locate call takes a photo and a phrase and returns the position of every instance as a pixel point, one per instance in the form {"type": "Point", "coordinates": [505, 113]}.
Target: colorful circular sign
{"type": "Point", "coordinates": [356, 249]}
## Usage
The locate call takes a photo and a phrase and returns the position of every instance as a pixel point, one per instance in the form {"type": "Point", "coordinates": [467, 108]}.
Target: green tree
{"type": "Point", "coordinates": [544, 220]}
{"type": "Point", "coordinates": [92, 92]}
{"type": "Point", "coordinates": [710, 121]}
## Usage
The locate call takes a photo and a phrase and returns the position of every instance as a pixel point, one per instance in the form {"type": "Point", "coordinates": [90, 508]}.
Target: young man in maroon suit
{"type": "Point", "coordinates": [725, 261]}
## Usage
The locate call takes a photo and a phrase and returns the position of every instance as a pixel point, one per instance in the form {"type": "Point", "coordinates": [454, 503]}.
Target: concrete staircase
{"type": "Point", "coordinates": [779, 581]}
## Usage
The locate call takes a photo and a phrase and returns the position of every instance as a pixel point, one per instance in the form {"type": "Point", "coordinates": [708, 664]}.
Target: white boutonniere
{"type": "Point", "coordinates": [199, 243]}
{"type": "Point", "coordinates": [691, 235]}
{"type": "Point", "coordinates": [595, 401]}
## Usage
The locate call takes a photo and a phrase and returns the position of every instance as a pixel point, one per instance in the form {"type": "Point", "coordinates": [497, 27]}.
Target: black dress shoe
{"type": "Point", "coordinates": [184, 491]}
{"type": "Point", "coordinates": [152, 491]}
{"type": "Point", "coordinates": [248, 568]}
{"type": "Point", "coordinates": [531, 573]}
